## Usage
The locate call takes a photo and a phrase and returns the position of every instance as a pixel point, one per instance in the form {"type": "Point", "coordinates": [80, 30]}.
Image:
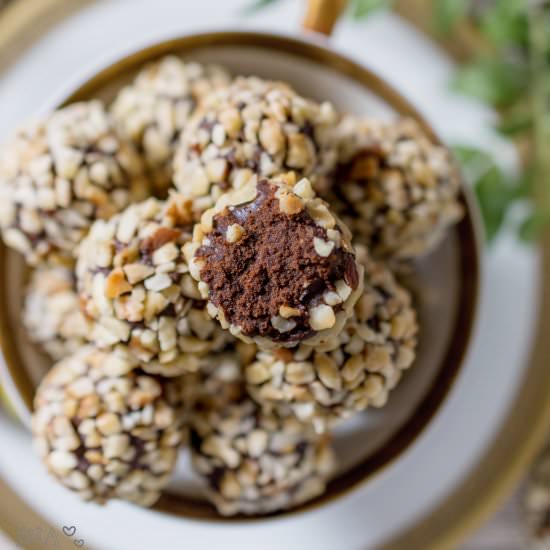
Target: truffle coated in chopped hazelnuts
{"type": "Point", "coordinates": [105, 429]}
{"type": "Point", "coordinates": [255, 462]}
{"type": "Point", "coordinates": [134, 281]}
{"type": "Point", "coordinates": [59, 175]}
{"type": "Point", "coordinates": [275, 264]}
{"type": "Point", "coordinates": [51, 312]}
{"type": "Point", "coordinates": [395, 189]}
{"type": "Point", "coordinates": [350, 372]}
{"type": "Point", "coordinates": [254, 127]}
{"type": "Point", "coordinates": [155, 108]}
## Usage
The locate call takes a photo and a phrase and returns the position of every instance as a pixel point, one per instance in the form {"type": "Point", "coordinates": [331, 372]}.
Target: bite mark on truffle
{"type": "Point", "coordinates": [273, 265]}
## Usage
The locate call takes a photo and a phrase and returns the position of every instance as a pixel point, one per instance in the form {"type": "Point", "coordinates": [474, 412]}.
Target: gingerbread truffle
{"type": "Point", "coordinates": [134, 281]}
{"type": "Point", "coordinates": [258, 463]}
{"type": "Point", "coordinates": [51, 312]}
{"type": "Point", "coordinates": [275, 264]}
{"type": "Point", "coordinates": [104, 435]}
{"type": "Point", "coordinates": [254, 127]}
{"type": "Point", "coordinates": [355, 370]}
{"type": "Point", "coordinates": [59, 175]}
{"type": "Point", "coordinates": [395, 188]}
{"type": "Point", "coordinates": [152, 111]}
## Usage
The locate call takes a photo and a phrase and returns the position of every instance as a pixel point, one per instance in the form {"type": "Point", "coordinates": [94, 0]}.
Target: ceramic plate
{"type": "Point", "coordinates": [445, 284]}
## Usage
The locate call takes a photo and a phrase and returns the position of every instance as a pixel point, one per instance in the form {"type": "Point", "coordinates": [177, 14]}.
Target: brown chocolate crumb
{"type": "Point", "coordinates": [274, 264]}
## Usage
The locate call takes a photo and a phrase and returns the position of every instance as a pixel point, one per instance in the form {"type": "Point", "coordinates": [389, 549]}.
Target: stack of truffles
{"type": "Point", "coordinates": [210, 265]}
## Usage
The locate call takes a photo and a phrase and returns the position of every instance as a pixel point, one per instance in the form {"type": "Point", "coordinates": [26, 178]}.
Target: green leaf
{"type": "Point", "coordinates": [528, 229]}
{"type": "Point", "coordinates": [257, 5]}
{"type": "Point", "coordinates": [474, 162]}
{"type": "Point", "coordinates": [468, 154]}
{"type": "Point", "coordinates": [363, 8]}
{"type": "Point", "coordinates": [515, 123]}
{"type": "Point", "coordinates": [494, 199]}
{"type": "Point", "coordinates": [522, 188]}
{"type": "Point", "coordinates": [504, 23]}
{"type": "Point", "coordinates": [494, 81]}
{"type": "Point", "coordinates": [495, 191]}
{"type": "Point", "coordinates": [531, 226]}
{"type": "Point", "coordinates": [447, 14]}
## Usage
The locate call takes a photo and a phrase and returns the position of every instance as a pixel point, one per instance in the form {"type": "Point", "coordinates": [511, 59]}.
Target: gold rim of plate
{"type": "Point", "coordinates": [524, 429]}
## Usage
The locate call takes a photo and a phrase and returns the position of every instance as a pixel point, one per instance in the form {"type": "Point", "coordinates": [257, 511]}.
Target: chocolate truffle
{"type": "Point", "coordinates": [254, 127]}
{"type": "Point", "coordinates": [59, 175]}
{"type": "Point", "coordinates": [153, 110]}
{"type": "Point", "coordinates": [395, 188]}
{"type": "Point", "coordinates": [275, 264]}
{"type": "Point", "coordinates": [104, 435]}
{"type": "Point", "coordinates": [134, 282]}
{"type": "Point", "coordinates": [258, 463]}
{"type": "Point", "coordinates": [51, 312]}
{"type": "Point", "coordinates": [355, 370]}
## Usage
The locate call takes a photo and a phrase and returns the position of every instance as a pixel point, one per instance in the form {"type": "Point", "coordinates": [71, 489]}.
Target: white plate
{"type": "Point", "coordinates": [443, 455]}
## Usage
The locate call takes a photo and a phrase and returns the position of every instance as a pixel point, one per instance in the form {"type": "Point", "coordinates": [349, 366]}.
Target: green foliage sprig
{"type": "Point", "coordinates": [499, 74]}
{"type": "Point", "coordinates": [363, 8]}
{"type": "Point", "coordinates": [257, 5]}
